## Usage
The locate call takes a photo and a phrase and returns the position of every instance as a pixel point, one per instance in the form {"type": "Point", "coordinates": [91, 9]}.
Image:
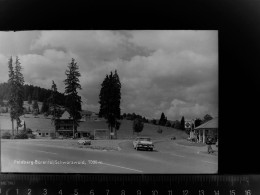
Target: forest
{"type": "Point", "coordinates": [31, 93]}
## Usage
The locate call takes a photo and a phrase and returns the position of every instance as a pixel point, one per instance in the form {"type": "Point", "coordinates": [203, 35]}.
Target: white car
{"type": "Point", "coordinates": [84, 141]}
{"type": "Point", "coordinates": [143, 143]}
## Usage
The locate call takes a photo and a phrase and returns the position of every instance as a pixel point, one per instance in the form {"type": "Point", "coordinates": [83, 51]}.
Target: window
{"type": "Point", "coordinates": [40, 133]}
{"type": "Point", "coordinates": [47, 133]}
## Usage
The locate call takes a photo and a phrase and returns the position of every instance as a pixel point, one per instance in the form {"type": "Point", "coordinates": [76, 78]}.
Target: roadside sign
{"type": "Point", "coordinates": [187, 125]}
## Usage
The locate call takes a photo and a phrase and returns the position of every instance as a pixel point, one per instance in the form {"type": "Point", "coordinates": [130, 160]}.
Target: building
{"type": "Point", "coordinates": [88, 115]}
{"type": "Point", "coordinates": [208, 129]}
{"type": "Point", "coordinates": [64, 125]}
{"type": "Point", "coordinates": [44, 133]}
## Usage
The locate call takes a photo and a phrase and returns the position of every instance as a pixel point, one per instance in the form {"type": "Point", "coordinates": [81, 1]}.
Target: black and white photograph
{"type": "Point", "coordinates": [109, 101]}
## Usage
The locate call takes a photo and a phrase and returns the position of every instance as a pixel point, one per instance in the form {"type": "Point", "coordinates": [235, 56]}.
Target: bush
{"type": "Point", "coordinates": [91, 137]}
{"type": "Point", "coordinates": [159, 130]}
{"type": "Point", "coordinates": [31, 136]}
{"type": "Point", "coordinates": [28, 131]}
{"type": "Point", "coordinates": [138, 125]}
{"type": "Point", "coordinates": [21, 135]}
{"type": "Point", "coordinates": [6, 135]}
{"type": "Point", "coordinates": [168, 124]}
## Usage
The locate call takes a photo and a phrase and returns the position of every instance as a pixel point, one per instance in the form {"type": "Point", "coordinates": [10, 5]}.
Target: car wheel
{"type": "Point", "coordinates": [151, 149]}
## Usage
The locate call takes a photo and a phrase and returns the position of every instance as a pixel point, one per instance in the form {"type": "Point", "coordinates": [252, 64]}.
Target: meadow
{"type": "Point", "coordinates": [125, 131]}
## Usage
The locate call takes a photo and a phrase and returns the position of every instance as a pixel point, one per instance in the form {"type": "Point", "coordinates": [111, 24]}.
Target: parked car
{"type": "Point", "coordinates": [84, 141]}
{"type": "Point", "coordinates": [143, 143]}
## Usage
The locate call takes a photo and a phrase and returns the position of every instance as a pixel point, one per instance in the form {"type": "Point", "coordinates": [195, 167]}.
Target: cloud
{"type": "Point", "coordinates": [180, 108]}
{"type": "Point", "coordinates": [175, 72]}
{"type": "Point", "coordinates": [90, 45]}
{"type": "Point", "coordinates": [4, 68]}
{"type": "Point", "coordinates": [204, 42]}
{"type": "Point", "coordinates": [40, 70]}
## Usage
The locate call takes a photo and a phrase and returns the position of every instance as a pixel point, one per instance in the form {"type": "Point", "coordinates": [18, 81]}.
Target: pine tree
{"type": "Point", "coordinates": [1, 101]}
{"type": "Point", "coordinates": [35, 95]}
{"type": "Point", "coordinates": [162, 120]}
{"type": "Point", "coordinates": [11, 98]}
{"type": "Point", "coordinates": [29, 99]}
{"type": "Point", "coordinates": [168, 124]}
{"type": "Point", "coordinates": [197, 122]}
{"type": "Point", "coordinates": [45, 107]}
{"type": "Point", "coordinates": [103, 100]}
{"type": "Point", "coordinates": [182, 123]}
{"type": "Point", "coordinates": [19, 82]}
{"type": "Point", "coordinates": [54, 109]}
{"type": "Point", "coordinates": [35, 107]}
{"type": "Point", "coordinates": [73, 100]}
{"type": "Point", "coordinates": [109, 100]}
{"type": "Point", "coordinates": [207, 118]}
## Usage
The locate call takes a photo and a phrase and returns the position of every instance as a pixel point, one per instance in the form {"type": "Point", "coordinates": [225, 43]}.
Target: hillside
{"type": "Point", "coordinates": [32, 92]}
{"type": "Point", "coordinates": [125, 131]}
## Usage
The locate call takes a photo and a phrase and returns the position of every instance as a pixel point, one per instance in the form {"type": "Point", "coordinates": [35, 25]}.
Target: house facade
{"type": "Point", "coordinates": [64, 126]}
{"type": "Point", "coordinates": [44, 133]}
{"type": "Point", "coordinates": [208, 129]}
{"type": "Point", "coordinates": [88, 115]}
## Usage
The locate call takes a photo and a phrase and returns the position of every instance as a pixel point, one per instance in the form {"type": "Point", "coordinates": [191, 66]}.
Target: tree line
{"type": "Point", "coordinates": [163, 121]}
{"type": "Point", "coordinates": [30, 93]}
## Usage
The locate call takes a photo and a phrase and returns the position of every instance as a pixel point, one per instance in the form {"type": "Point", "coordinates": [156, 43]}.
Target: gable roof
{"type": "Point", "coordinates": [65, 115]}
{"type": "Point", "coordinates": [212, 124]}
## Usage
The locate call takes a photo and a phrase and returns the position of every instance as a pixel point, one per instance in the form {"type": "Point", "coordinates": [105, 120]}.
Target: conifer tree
{"type": "Point", "coordinates": [109, 100]}
{"type": "Point", "coordinates": [73, 100]}
{"type": "Point", "coordinates": [182, 123]}
{"type": "Point", "coordinates": [54, 108]}
{"type": "Point", "coordinates": [11, 98]}
{"type": "Point", "coordinates": [29, 99]}
{"type": "Point", "coordinates": [45, 107]}
{"type": "Point", "coordinates": [1, 101]}
{"type": "Point", "coordinates": [19, 82]}
{"type": "Point", "coordinates": [35, 107]}
{"type": "Point", "coordinates": [162, 120]}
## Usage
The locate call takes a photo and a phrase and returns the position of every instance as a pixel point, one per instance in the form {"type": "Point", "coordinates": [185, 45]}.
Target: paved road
{"type": "Point", "coordinates": [26, 156]}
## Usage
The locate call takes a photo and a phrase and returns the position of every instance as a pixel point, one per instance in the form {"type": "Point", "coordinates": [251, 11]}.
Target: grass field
{"type": "Point", "coordinates": [125, 131]}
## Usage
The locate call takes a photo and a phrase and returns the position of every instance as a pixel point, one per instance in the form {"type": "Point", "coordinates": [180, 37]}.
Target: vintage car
{"type": "Point", "coordinates": [143, 143]}
{"type": "Point", "coordinates": [84, 141]}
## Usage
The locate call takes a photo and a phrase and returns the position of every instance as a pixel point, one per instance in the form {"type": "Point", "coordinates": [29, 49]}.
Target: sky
{"type": "Point", "coordinates": [170, 71]}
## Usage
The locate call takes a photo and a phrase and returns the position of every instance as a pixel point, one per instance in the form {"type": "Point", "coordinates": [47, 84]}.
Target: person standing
{"type": "Point", "coordinates": [209, 142]}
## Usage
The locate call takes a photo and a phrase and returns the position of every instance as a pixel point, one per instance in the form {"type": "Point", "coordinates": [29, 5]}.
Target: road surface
{"type": "Point", "coordinates": [33, 156]}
